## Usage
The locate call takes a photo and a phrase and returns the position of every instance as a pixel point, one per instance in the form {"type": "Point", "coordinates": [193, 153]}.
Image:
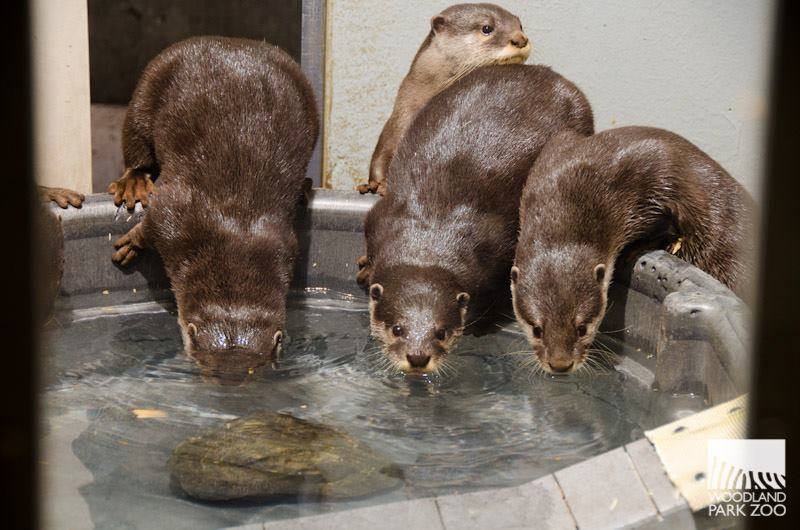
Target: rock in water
{"type": "Point", "coordinates": [268, 454]}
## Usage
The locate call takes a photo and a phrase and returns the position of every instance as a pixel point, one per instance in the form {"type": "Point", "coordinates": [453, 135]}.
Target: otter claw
{"type": "Point", "coordinates": [133, 186]}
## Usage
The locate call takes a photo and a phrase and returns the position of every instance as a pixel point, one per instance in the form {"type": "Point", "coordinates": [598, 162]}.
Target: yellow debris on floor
{"type": "Point", "coordinates": [146, 414]}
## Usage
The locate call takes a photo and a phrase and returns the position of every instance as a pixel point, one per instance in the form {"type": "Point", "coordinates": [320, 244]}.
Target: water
{"type": "Point", "coordinates": [488, 422]}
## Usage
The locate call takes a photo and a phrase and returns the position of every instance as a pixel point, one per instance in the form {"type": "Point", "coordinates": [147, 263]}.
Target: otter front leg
{"type": "Point", "coordinates": [379, 164]}
{"type": "Point", "coordinates": [134, 185]}
{"type": "Point", "coordinates": [61, 196]}
{"type": "Point", "coordinates": [373, 186]}
{"type": "Point", "coordinates": [129, 246]}
{"type": "Point", "coordinates": [377, 181]}
{"type": "Point", "coordinates": [364, 270]}
{"type": "Point", "coordinates": [369, 187]}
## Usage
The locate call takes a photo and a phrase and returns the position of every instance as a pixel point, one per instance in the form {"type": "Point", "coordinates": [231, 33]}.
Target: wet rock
{"type": "Point", "coordinates": [268, 454]}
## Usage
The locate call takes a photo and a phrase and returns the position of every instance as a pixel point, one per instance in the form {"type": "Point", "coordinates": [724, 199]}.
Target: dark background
{"type": "Point", "coordinates": [125, 34]}
{"type": "Point", "coordinates": [776, 359]}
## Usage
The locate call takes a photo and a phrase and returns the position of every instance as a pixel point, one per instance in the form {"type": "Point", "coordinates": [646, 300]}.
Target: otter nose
{"type": "Point", "coordinates": [418, 360]}
{"type": "Point", "coordinates": [561, 368]}
{"type": "Point", "coordinates": [519, 39]}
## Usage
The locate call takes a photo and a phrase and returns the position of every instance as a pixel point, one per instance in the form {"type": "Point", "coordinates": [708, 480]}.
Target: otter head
{"type": "Point", "coordinates": [230, 289]}
{"type": "Point", "coordinates": [417, 316]}
{"type": "Point", "coordinates": [473, 35]}
{"type": "Point", "coordinates": [229, 343]}
{"type": "Point", "coordinates": [559, 300]}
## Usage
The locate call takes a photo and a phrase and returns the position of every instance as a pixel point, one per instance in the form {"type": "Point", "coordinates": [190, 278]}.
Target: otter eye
{"type": "Point", "coordinates": [441, 334]}
{"type": "Point", "coordinates": [487, 30]}
{"type": "Point", "coordinates": [397, 331]}
{"type": "Point", "coordinates": [538, 332]}
{"type": "Point", "coordinates": [582, 330]}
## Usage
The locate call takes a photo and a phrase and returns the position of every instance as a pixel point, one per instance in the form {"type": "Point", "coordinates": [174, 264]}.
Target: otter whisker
{"type": "Point", "coordinates": [481, 315]}
{"type": "Point", "coordinates": [617, 330]}
{"type": "Point", "coordinates": [606, 353]}
{"type": "Point", "coordinates": [520, 352]}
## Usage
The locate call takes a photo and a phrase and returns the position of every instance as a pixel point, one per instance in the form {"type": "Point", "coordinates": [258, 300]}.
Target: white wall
{"type": "Point", "coordinates": [60, 71]}
{"type": "Point", "coordinates": [697, 67]}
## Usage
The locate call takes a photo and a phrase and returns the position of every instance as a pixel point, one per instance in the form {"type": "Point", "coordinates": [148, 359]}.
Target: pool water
{"type": "Point", "coordinates": [119, 395]}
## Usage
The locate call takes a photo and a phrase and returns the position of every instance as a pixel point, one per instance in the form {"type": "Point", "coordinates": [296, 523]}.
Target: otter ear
{"type": "Point", "coordinates": [376, 291]}
{"type": "Point", "coordinates": [514, 274]}
{"type": "Point", "coordinates": [437, 23]}
{"type": "Point", "coordinates": [191, 329]}
{"type": "Point", "coordinates": [278, 337]}
{"type": "Point", "coordinates": [600, 273]}
{"type": "Point", "coordinates": [462, 299]}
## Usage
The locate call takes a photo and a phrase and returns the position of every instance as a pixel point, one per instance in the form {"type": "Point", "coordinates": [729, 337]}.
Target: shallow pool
{"type": "Point", "coordinates": [119, 395]}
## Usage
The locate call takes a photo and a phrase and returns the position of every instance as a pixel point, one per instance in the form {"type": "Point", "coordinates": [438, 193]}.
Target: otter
{"type": "Point", "coordinates": [587, 200]}
{"type": "Point", "coordinates": [462, 38]}
{"type": "Point", "coordinates": [49, 247]}
{"type": "Point", "coordinates": [229, 124]}
{"type": "Point", "coordinates": [441, 241]}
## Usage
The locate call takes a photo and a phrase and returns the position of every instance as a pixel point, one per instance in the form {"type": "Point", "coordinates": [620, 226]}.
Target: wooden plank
{"type": "Point", "coordinates": [682, 446]}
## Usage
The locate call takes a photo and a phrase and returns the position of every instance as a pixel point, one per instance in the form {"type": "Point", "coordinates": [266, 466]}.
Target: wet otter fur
{"type": "Point", "coordinates": [229, 125]}
{"type": "Point", "coordinates": [441, 241]}
{"type": "Point", "coordinates": [462, 38]}
{"type": "Point", "coordinates": [588, 199]}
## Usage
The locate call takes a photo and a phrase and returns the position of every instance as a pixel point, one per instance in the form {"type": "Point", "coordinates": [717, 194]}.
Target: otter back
{"type": "Point", "coordinates": [228, 125]}
{"type": "Point", "coordinates": [459, 171]}
{"type": "Point", "coordinates": [639, 186]}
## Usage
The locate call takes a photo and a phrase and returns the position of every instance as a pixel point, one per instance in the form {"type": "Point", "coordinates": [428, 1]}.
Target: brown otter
{"type": "Point", "coordinates": [49, 246]}
{"type": "Point", "coordinates": [440, 243]}
{"type": "Point", "coordinates": [587, 199]}
{"type": "Point", "coordinates": [230, 125]}
{"type": "Point", "coordinates": [463, 37]}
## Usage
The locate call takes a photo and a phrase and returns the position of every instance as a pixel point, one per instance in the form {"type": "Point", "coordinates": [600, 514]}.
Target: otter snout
{"type": "Point", "coordinates": [418, 359]}
{"type": "Point", "coordinates": [519, 39]}
{"type": "Point", "coordinates": [561, 366]}
{"type": "Point", "coordinates": [229, 366]}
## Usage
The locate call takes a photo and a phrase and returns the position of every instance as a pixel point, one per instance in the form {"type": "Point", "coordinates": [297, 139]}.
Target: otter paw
{"type": "Point", "coordinates": [676, 246]}
{"type": "Point", "coordinates": [131, 187]}
{"type": "Point", "coordinates": [362, 278]}
{"type": "Point", "coordinates": [369, 187]}
{"type": "Point", "coordinates": [364, 271]}
{"type": "Point", "coordinates": [61, 196]}
{"type": "Point", "coordinates": [127, 249]}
